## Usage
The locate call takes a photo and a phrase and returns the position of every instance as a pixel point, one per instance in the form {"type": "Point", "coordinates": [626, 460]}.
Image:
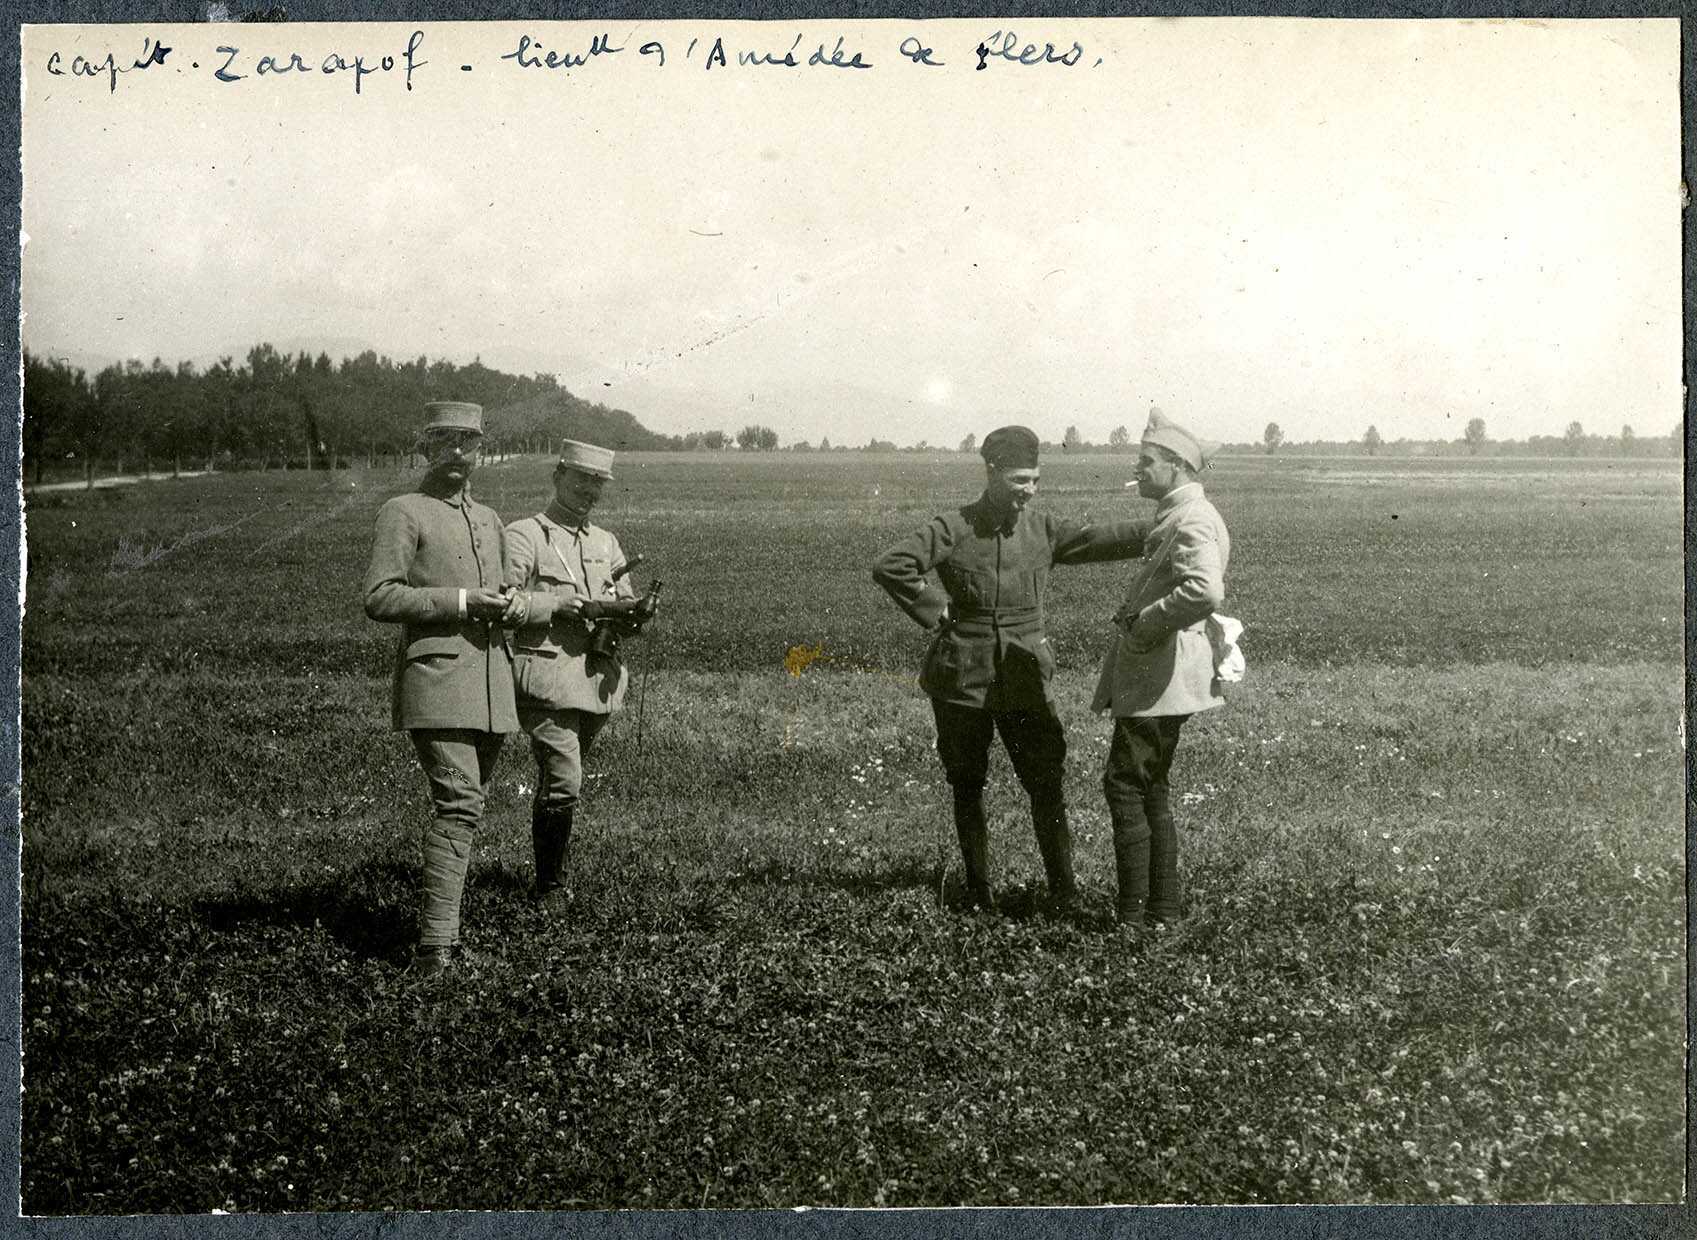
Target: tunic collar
{"type": "Point", "coordinates": [1178, 495]}
{"type": "Point", "coordinates": [983, 516]}
{"type": "Point", "coordinates": [558, 514]}
{"type": "Point", "coordinates": [455, 497]}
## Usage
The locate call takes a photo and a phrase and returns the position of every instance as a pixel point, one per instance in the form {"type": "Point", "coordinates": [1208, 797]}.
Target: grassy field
{"type": "Point", "coordinates": [1435, 851]}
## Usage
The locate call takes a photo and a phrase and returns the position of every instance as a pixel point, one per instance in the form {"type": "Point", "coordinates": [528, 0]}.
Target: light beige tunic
{"type": "Point", "coordinates": [554, 558]}
{"type": "Point", "coordinates": [450, 671]}
{"type": "Point", "coordinates": [1176, 586]}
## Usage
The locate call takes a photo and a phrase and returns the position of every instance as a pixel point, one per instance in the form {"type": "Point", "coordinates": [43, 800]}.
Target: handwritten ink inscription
{"type": "Point", "coordinates": [532, 55]}
{"type": "Point", "coordinates": [80, 66]}
{"type": "Point", "coordinates": [278, 65]}
{"type": "Point", "coordinates": [837, 57]}
{"type": "Point", "coordinates": [232, 65]}
{"type": "Point", "coordinates": [1002, 45]}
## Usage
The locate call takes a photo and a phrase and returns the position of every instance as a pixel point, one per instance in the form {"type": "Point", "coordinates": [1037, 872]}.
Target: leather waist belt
{"type": "Point", "coordinates": [999, 615]}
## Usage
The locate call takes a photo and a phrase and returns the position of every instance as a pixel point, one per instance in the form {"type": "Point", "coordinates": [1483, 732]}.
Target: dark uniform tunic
{"type": "Point", "coordinates": [993, 653]}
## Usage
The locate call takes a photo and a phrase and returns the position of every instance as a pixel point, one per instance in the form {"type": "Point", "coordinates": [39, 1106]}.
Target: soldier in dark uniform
{"type": "Point", "coordinates": [988, 667]}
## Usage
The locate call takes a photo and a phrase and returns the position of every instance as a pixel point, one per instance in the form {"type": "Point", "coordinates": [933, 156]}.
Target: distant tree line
{"type": "Point", "coordinates": [274, 410]}
{"type": "Point", "coordinates": [1573, 441]}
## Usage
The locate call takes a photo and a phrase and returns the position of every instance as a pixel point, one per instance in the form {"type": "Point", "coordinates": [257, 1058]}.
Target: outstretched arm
{"type": "Point", "coordinates": [1095, 544]}
{"type": "Point", "coordinates": [901, 572]}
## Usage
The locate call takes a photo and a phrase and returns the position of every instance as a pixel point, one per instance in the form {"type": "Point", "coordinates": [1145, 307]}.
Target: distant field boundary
{"type": "Point", "coordinates": [113, 480]}
{"type": "Point", "coordinates": [121, 480]}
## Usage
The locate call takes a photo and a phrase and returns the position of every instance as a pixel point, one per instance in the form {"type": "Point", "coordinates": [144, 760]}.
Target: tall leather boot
{"type": "Point", "coordinates": [1054, 841]}
{"type": "Point", "coordinates": [1164, 893]}
{"type": "Point", "coordinates": [974, 836]}
{"type": "Point", "coordinates": [550, 837]}
{"type": "Point", "coordinates": [1131, 863]}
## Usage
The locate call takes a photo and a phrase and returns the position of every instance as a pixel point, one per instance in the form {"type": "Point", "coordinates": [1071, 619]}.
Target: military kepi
{"type": "Point", "coordinates": [586, 458]}
{"type": "Point", "coordinates": [1010, 447]}
{"type": "Point", "coordinates": [1163, 432]}
{"type": "Point", "coordinates": [453, 415]}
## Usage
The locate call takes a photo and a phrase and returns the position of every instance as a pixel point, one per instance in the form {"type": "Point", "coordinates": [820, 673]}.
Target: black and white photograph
{"type": "Point", "coordinates": [866, 614]}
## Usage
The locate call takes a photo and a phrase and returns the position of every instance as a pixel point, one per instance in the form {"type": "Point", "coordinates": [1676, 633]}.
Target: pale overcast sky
{"type": "Point", "coordinates": [1327, 224]}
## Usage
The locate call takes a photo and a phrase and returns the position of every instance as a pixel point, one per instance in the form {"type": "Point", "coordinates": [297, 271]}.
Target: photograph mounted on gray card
{"type": "Point", "coordinates": [714, 614]}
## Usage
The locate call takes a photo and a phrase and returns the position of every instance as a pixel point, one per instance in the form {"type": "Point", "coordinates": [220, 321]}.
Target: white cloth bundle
{"type": "Point", "coordinates": [1223, 632]}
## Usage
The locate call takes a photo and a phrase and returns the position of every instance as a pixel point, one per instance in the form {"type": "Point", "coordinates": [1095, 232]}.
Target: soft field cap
{"type": "Point", "coordinates": [1163, 432]}
{"type": "Point", "coordinates": [455, 415]}
{"type": "Point", "coordinates": [586, 458]}
{"type": "Point", "coordinates": [1010, 447]}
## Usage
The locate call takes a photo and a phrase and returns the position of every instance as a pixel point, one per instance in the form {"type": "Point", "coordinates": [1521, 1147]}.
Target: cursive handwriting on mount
{"type": "Point", "coordinates": [230, 64]}
{"type": "Point", "coordinates": [838, 57]}
{"type": "Point", "coordinates": [526, 54]}
{"type": "Point", "coordinates": [1002, 45]}
{"type": "Point", "coordinates": [151, 54]}
{"type": "Point", "coordinates": [335, 62]}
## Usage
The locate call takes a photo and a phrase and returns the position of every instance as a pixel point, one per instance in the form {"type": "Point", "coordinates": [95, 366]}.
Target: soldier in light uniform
{"type": "Point", "coordinates": [988, 668]}
{"type": "Point", "coordinates": [436, 571]}
{"type": "Point", "coordinates": [556, 562]}
{"type": "Point", "coordinates": [1160, 667]}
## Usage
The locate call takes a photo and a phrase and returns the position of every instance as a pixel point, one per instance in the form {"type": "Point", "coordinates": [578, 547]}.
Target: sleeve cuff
{"type": "Point", "coordinates": [462, 602]}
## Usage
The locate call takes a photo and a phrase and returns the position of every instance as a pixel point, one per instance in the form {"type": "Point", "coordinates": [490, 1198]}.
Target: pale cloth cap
{"type": "Point", "coordinates": [455, 415]}
{"type": "Point", "coordinates": [586, 458]}
{"type": "Point", "coordinates": [1163, 432]}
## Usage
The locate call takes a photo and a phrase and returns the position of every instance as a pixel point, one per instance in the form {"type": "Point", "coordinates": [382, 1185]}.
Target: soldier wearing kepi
{"type": "Point", "coordinates": [1160, 667]}
{"type": "Point", "coordinates": [569, 677]}
{"type": "Point", "coordinates": [988, 668]}
{"type": "Point", "coordinates": [436, 571]}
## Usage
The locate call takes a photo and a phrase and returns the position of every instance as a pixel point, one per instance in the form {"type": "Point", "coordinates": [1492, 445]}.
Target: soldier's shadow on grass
{"type": "Point", "coordinates": [370, 910]}
{"type": "Point", "coordinates": [367, 910]}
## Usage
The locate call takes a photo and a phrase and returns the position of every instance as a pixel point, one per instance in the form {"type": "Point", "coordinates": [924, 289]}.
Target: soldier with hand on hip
{"type": "Point", "coordinates": [436, 571]}
{"type": "Point", "coordinates": [1161, 667]}
{"type": "Point", "coordinates": [573, 597]}
{"type": "Point", "coordinates": [988, 667]}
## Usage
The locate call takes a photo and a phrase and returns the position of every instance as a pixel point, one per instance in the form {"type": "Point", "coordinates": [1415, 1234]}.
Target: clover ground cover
{"type": "Point", "coordinates": [1435, 852]}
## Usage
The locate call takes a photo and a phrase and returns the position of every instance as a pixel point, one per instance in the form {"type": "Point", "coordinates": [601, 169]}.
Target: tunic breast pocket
{"type": "Point", "coordinates": [553, 574]}
{"type": "Point", "coordinates": [971, 587]}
